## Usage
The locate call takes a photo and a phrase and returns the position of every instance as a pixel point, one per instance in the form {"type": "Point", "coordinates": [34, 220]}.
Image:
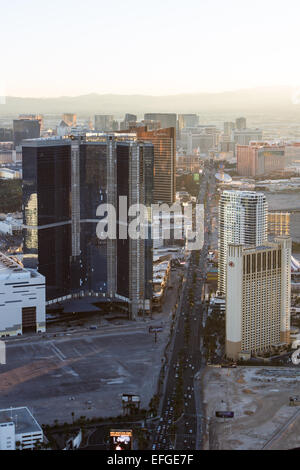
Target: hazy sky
{"type": "Point", "coordinates": [70, 47]}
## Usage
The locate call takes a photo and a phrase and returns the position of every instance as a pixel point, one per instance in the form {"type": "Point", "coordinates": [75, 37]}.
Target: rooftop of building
{"type": "Point", "coordinates": [22, 418]}
{"type": "Point", "coordinates": [223, 177]}
{"type": "Point", "coordinates": [83, 136]}
{"type": "Point", "coordinates": [260, 248]}
{"type": "Point", "coordinates": [267, 246]}
{"type": "Point", "coordinates": [246, 193]}
{"type": "Point", "coordinates": [11, 270]}
{"type": "Point", "coordinates": [246, 131]}
{"type": "Point", "coordinates": [262, 144]}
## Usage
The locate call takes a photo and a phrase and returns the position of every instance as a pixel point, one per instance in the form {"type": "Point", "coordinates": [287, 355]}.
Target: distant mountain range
{"type": "Point", "coordinates": [242, 101]}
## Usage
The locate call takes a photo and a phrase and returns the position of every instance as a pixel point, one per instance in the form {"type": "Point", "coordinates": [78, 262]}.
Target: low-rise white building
{"type": "Point", "coordinates": [170, 228]}
{"type": "Point", "coordinates": [11, 225]}
{"type": "Point", "coordinates": [22, 299]}
{"type": "Point", "coordinates": [19, 429]}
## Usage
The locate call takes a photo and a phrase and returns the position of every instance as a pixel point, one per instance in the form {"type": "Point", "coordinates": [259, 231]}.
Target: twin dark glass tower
{"type": "Point", "coordinates": [64, 182]}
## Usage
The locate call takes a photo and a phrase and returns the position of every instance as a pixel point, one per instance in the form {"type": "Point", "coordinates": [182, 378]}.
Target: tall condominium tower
{"type": "Point", "coordinates": [165, 119]}
{"type": "Point", "coordinates": [187, 120]}
{"type": "Point", "coordinates": [258, 297]}
{"type": "Point", "coordinates": [129, 119]}
{"type": "Point", "coordinates": [241, 123]}
{"type": "Point", "coordinates": [164, 142]}
{"type": "Point", "coordinates": [6, 135]}
{"type": "Point", "coordinates": [47, 211]}
{"type": "Point", "coordinates": [26, 129]}
{"type": "Point", "coordinates": [103, 122]}
{"type": "Point", "coordinates": [243, 217]}
{"type": "Point", "coordinates": [259, 159]}
{"type": "Point", "coordinates": [228, 128]}
{"type": "Point", "coordinates": [65, 181]}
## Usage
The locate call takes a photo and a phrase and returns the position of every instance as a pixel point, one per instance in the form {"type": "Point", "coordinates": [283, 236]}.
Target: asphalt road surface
{"type": "Point", "coordinates": [185, 432]}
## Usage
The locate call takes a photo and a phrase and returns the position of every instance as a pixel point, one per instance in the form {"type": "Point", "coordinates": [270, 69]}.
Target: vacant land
{"type": "Point", "coordinates": [259, 397]}
{"type": "Point", "coordinates": [86, 371]}
{"type": "Point", "coordinates": [82, 373]}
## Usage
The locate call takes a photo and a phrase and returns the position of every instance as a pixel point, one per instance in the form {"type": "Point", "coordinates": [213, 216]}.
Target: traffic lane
{"type": "Point", "coordinates": [191, 406]}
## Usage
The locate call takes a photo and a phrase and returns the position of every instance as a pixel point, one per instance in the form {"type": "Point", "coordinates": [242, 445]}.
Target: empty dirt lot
{"type": "Point", "coordinates": [259, 397]}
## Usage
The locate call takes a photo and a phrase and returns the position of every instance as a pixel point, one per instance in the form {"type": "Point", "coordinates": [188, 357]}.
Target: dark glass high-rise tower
{"type": "Point", "coordinates": [47, 212]}
{"type": "Point", "coordinates": [25, 129]}
{"type": "Point", "coordinates": [166, 119]}
{"type": "Point", "coordinates": [93, 191]}
{"type": "Point", "coordinates": [65, 180]}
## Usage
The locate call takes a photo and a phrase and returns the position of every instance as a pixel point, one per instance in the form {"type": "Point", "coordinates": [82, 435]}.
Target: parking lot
{"type": "Point", "coordinates": [85, 373]}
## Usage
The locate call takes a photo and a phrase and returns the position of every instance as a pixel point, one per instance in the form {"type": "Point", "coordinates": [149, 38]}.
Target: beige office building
{"type": "Point", "coordinates": [257, 297]}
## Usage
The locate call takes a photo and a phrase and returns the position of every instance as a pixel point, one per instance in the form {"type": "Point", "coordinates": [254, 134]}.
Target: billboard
{"type": "Point", "coordinates": [129, 398]}
{"type": "Point", "coordinates": [155, 329]}
{"type": "Point", "coordinates": [295, 401]}
{"type": "Point", "coordinates": [224, 414]}
{"type": "Point", "coordinates": [120, 439]}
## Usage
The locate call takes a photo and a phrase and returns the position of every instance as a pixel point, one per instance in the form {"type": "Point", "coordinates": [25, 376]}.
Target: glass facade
{"type": "Point", "coordinates": [123, 267]}
{"type": "Point", "coordinates": [25, 129]}
{"type": "Point", "coordinates": [148, 184]}
{"type": "Point", "coordinates": [93, 192]}
{"type": "Point", "coordinates": [164, 142]}
{"type": "Point", "coordinates": [47, 209]}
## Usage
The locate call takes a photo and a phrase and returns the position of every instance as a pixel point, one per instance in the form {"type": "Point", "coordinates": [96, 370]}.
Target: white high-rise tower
{"type": "Point", "coordinates": [243, 220]}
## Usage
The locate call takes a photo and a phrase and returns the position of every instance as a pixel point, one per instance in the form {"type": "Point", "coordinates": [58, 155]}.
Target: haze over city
{"type": "Point", "coordinates": [72, 48]}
